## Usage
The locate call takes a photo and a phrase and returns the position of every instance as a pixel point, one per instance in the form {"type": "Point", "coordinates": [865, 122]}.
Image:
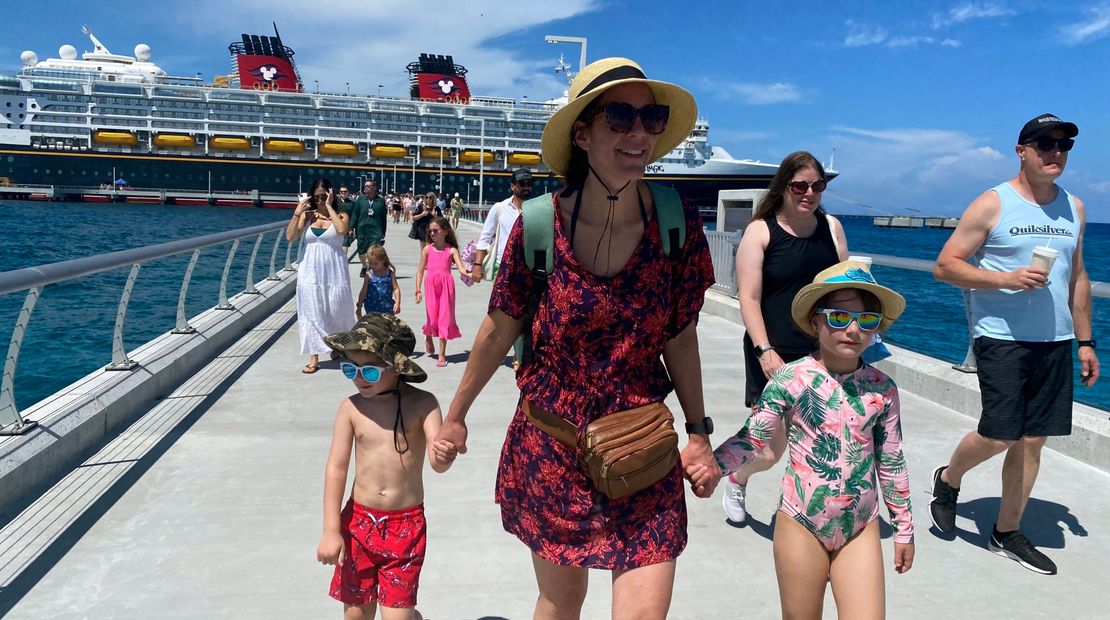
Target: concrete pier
{"type": "Point", "coordinates": [210, 505]}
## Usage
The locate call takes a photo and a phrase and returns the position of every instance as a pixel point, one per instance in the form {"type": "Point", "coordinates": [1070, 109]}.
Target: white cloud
{"type": "Point", "coordinates": [1096, 26]}
{"type": "Point", "coordinates": [1101, 187]}
{"type": "Point", "coordinates": [755, 94]}
{"type": "Point", "coordinates": [370, 43]}
{"type": "Point", "coordinates": [969, 11]}
{"type": "Point", "coordinates": [862, 35]}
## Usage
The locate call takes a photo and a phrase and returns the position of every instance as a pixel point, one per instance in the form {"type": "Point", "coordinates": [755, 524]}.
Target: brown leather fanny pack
{"type": "Point", "coordinates": [622, 452]}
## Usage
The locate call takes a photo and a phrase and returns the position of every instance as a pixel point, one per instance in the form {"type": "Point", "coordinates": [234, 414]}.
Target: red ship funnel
{"type": "Point", "coordinates": [263, 63]}
{"type": "Point", "coordinates": [438, 78]}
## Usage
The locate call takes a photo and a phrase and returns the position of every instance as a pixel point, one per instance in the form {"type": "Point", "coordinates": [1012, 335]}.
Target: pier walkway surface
{"type": "Point", "coordinates": [210, 506]}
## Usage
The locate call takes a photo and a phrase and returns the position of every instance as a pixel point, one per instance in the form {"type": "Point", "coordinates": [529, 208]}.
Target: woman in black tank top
{"type": "Point", "coordinates": [789, 240]}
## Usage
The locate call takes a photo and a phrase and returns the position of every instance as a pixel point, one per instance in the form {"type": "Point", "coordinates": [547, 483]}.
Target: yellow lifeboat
{"type": "Point", "coordinates": [174, 140]}
{"type": "Point", "coordinates": [472, 157]}
{"type": "Point", "coordinates": [434, 152]}
{"type": "Point", "coordinates": [344, 149]}
{"type": "Point", "coordinates": [387, 151]}
{"type": "Point", "coordinates": [230, 143]}
{"type": "Point", "coordinates": [284, 146]}
{"type": "Point", "coordinates": [524, 159]}
{"type": "Point", "coordinates": [114, 137]}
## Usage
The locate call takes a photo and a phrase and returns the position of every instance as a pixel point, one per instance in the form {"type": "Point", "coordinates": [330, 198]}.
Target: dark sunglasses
{"type": "Point", "coordinates": [621, 116]}
{"type": "Point", "coordinates": [1046, 145]}
{"type": "Point", "coordinates": [523, 183]}
{"type": "Point", "coordinates": [801, 187]}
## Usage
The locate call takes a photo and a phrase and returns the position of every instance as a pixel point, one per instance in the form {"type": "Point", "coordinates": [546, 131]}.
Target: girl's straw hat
{"type": "Point", "coordinates": [591, 83]}
{"type": "Point", "coordinates": [847, 274]}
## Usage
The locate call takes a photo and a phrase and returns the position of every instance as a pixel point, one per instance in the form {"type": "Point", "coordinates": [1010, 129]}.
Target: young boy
{"type": "Point", "coordinates": [379, 538]}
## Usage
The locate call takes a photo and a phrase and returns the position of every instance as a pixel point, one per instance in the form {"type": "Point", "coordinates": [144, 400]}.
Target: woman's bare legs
{"type": "Point", "coordinates": [858, 583]}
{"type": "Point", "coordinates": [802, 567]}
{"type": "Point", "coordinates": [442, 351]}
{"type": "Point", "coordinates": [643, 593]}
{"type": "Point", "coordinates": [562, 590]}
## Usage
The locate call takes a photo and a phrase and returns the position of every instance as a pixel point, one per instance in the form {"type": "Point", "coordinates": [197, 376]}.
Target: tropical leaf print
{"type": "Point", "coordinates": [880, 435]}
{"type": "Point", "coordinates": [775, 397]}
{"type": "Point", "coordinates": [855, 401]}
{"type": "Point", "coordinates": [818, 379]}
{"type": "Point", "coordinates": [847, 522]}
{"type": "Point", "coordinates": [854, 452]}
{"type": "Point", "coordinates": [796, 434]}
{"type": "Point", "coordinates": [892, 463]}
{"type": "Point", "coordinates": [893, 496]}
{"type": "Point", "coordinates": [860, 478]}
{"type": "Point", "coordinates": [826, 532]}
{"type": "Point", "coordinates": [826, 471]}
{"type": "Point", "coordinates": [798, 486]}
{"type": "Point", "coordinates": [811, 408]}
{"type": "Point", "coordinates": [817, 500]}
{"type": "Point", "coordinates": [826, 447]}
{"type": "Point", "coordinates": [760, 428]}
{"type": "Point", "coordinates": [833, 403]}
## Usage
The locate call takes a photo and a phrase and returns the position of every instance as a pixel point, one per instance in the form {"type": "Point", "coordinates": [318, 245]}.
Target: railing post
{"type": "Point", "coordinates": [273, 257]}
{"type": "Point", "coordinates": [11, 422]}
{"type": "Point", "coordinates": [250, 290]}
{"type": "Point", "coordinates": [119, 354]}
{"type": "Point", "coordinates": [224, 304]}
{"type": "Point", "coordinates": [183, 326]}
{"type": "Point", "coordinates": [288, 254]}
{"type": "Point", "coordinates": [968, 364]}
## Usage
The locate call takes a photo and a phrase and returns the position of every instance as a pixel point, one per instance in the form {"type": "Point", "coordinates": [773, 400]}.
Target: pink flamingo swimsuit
{"type": "Point", "coordinates": [843, 429]}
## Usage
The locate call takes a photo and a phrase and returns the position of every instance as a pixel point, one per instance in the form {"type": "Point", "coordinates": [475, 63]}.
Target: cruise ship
{"type": "Point", "coordinates": [114, 120]}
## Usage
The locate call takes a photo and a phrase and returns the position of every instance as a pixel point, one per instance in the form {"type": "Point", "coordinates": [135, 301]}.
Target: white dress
{"type": "Point", "coordinates": [324, 302]}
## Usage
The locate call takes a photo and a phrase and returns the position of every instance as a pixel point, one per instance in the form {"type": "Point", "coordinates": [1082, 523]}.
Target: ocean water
{"type": "Point", "coordinates": [82, 312]}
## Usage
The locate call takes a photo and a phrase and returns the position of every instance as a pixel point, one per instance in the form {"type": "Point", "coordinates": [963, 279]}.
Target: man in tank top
{"type": "Point", "coordinates": [1027, 304]}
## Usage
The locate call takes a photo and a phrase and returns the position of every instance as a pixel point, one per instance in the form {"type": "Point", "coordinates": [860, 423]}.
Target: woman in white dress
{"type": "Point", "coordinates": [324, 302]}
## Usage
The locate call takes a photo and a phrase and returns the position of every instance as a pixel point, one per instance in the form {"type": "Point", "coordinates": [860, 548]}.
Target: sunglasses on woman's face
{"type": "Point", "coordinates": [799, 188]}
{"type": "Point", "coordinates": [621, 116]}
{"type": "Point", "coordinates": [371, 373]}
{"type": "Point", "coordinates": [1047, 145]}
{"type": "Point", "coordinates": [841, 319]}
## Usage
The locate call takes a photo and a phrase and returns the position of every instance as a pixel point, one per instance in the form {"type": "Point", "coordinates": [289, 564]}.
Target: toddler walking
{"type": "Point", "coordinates": [380, 291]}
{"type": "Point", "coordinates": [378, 539]}
{"type": "Point", "coordinates": [436, 259]}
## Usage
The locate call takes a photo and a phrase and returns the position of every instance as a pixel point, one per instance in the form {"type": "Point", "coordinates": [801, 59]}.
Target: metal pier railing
{"type": "Point", "coordinates": [34, 279]}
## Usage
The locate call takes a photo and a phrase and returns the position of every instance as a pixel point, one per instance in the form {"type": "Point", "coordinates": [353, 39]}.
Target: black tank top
{"type": "Point", "coordinates": [789, 263]}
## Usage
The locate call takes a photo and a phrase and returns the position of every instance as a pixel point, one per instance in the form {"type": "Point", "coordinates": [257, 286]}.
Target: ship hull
{"type": "Point", "coordinates": [82, 170]}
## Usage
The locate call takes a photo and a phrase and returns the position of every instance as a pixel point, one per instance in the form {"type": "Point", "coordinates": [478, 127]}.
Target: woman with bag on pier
{"type": "Point", "coordinates": [789, 240]}
{"type": "Point", "coordinates": [324, 302]}
{"type": "Point", "coordinates": [609, 322]}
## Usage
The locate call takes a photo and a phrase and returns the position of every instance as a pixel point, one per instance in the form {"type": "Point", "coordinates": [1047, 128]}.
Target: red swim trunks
{"type": "Point", "coordinates": [384, 552]}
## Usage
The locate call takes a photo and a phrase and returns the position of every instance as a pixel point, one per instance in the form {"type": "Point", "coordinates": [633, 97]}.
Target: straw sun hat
{"type": "Point", "coordinates": [591, 83]}
{"type": "Point", "coordinates": [844, 275]}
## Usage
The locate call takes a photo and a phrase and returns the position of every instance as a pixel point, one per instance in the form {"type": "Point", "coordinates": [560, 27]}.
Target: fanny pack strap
{"type": "Point", "coordinates": [555, 426]}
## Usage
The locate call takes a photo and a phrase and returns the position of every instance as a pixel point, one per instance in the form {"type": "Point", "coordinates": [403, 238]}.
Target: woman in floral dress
{"type": "Point", "coordinates": [616, 329]}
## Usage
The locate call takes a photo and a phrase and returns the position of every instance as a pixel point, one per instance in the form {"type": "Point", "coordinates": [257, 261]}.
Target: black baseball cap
{"type": "Point", "coordinates": [1043, 124]}
{"type": "Point", "coordinates": [522, 174]}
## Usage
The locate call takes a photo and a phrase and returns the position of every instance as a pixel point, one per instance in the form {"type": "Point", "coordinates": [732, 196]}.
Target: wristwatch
{"type": "Point", "coordinates": [1086, 343]}
{"type": "Point", "coordinates": [704, 426]}
{"type": "Point", "coordinates": [763, 348]}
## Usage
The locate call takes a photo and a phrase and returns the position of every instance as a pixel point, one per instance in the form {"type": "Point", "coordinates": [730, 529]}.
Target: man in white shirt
{"type": "Point", "coordinates": [499, 223]}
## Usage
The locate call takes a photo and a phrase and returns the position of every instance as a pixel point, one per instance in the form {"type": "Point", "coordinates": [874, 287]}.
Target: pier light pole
{"type": "Point", "coordinates": [481, 161]}
{"type": "Point", "coordinates": [441, 170]}
{"type": "Point", "coordinates": [414, 176]}
{"type": "Point", "coordinates": [579, 40]}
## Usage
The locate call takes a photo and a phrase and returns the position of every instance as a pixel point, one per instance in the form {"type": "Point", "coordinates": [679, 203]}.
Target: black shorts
{"type": "Point", "coordinates": [1026, 388]}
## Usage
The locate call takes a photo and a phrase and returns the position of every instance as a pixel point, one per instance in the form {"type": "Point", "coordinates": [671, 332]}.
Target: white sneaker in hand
{"type": "Point", "coordinates": [733, 501]}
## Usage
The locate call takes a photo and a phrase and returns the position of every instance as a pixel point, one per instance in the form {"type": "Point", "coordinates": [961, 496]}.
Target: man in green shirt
{"type": "Point", "coordinates": [368, 220]}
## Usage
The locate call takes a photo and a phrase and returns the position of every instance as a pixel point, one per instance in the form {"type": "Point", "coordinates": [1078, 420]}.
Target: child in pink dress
{"type": "Point", "coordinates": [843, 421]}
{"type": "Point", "coordinates": [436, 259]}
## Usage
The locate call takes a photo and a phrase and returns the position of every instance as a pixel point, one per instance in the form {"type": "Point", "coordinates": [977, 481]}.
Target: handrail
{"type": "Point", "coordinates": [35, 279]}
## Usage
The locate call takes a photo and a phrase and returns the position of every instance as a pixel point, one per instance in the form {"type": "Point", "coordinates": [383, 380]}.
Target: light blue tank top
{"type": "Point", "coordinates": [1039, 315]}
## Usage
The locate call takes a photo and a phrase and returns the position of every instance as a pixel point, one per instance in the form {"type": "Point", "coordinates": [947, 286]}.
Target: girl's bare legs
{"type": "Point", "coordinates": [398, 613]}
{"type": "Point", "coordinates": [802, 566]}
{"type": "Point", "coordinates": [442, 351]}
{"type": "Point", "coordinates": [857, 576]}
{"type": "Point", "coordinates": [643, 593]}
{"type": "Point", "coordinates": [359, 612]}
{"type": "Point", "coordinates": [429, 346]}
{"type": "Point", "coordinates": [562, 590]}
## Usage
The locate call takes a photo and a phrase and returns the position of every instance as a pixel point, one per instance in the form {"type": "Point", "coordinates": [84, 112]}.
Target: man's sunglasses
{"type": "Point", "coordinates": [371, 373]}
{"type": "Point", "coordinates": [1046, 145]}
{"type": "Point", "coordinates": [841, 319]}
{"type": "Point", "coordinates": [525, 183]}
{"type": "Point", "coordinates": [801, 187]}
{"type": "Point", "coordinates": [621, 116]}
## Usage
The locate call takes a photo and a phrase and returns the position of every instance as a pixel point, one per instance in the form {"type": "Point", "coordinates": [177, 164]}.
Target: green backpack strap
{"type": "Point", "coordinates": [672, 219]}
{"type": "Point", "coordinates": [539, 234]}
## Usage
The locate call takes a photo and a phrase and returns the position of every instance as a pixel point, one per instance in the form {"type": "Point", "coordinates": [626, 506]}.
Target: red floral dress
{"type": "Point", "coordinates": [598, 349]}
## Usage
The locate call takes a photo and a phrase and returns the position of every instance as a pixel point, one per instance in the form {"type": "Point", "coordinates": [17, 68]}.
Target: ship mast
{"type": "Point", "coordinates": [98, 47]}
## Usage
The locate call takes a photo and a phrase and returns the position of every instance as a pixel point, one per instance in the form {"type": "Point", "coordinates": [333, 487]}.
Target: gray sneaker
{"type": "Point", "coordinates": [943, 507]}
{"type": "Point", "coordinates": [1016, 546]}
{"type": "Point", "coordinates": [733, 501]}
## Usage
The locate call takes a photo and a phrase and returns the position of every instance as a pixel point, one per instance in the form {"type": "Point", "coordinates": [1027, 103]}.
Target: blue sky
{"type": "Point", "coordinates": [922, 101]}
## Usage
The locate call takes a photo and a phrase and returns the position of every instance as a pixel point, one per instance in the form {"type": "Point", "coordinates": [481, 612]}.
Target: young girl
{"type": "Point", "coordinates": [380, 291]}
{"type": "Point", "coordinates": [437, 257]}
{"type": "Point", "coordinates": [843, 424]}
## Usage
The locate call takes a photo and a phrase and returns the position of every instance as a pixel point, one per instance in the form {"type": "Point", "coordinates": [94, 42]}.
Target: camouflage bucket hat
{"type": "Point", "coordinates": [383, 335]}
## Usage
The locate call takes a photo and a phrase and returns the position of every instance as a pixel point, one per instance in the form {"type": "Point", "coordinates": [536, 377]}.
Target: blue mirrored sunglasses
{"type": "Point", "coordinates": [371, 373]}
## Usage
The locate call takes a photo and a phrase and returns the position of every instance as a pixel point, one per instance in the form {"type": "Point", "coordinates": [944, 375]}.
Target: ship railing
{"type": "Point", "coordinates": [722, 247]}
{"type": "Point", "coordinates": [35, 279]}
